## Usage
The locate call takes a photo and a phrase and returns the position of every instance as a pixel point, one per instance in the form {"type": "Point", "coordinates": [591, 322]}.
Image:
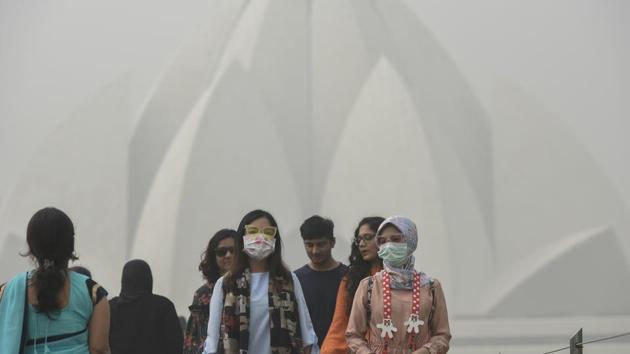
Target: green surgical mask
{"type": "Point", "coordinates": [394, 254]}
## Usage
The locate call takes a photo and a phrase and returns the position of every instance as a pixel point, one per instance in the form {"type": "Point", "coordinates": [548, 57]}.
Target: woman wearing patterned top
{"type": "Point", "coordinates": [215, 261]}
{"type": "Point", "coordinates": [398, 310]}
{"type": "Point", "coordinates": [258, 307]}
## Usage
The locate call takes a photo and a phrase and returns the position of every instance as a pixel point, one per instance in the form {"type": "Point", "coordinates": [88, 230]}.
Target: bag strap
{"type": "Point", "coordinates": [25, 319]}
{"type": "Point", "coordinates": [432, 287]}
{"type": "Point", "coordinates": [369, 298]}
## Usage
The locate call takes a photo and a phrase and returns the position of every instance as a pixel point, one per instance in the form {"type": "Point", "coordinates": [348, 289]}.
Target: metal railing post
{"type": "Point", "coordinates": [575, 344]}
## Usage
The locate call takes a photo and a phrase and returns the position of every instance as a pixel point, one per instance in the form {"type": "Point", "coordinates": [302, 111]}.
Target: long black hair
{"type": "Point", "coordinates": [208, 266]}
{"type": "Point", "coordinates": [277, 269]}
{"type": "Point", "coordinates": [359, 268]}
{"type": "Point", "coordinates": [50, 238]}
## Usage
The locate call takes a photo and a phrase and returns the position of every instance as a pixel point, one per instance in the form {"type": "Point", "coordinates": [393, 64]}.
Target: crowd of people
{"type": "Point", "coordinates": [250, 302]}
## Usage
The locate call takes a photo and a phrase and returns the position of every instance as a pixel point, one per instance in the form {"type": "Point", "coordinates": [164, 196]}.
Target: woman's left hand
{"type": "Point", "coordinates": [422, 350]}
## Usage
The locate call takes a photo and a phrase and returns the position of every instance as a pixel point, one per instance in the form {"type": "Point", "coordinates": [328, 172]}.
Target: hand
{"type": "Point", "coordinates": [422, 350]}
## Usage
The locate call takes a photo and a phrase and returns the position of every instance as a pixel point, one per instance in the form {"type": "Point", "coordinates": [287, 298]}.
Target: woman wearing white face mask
{"type": "Point", "coordinates": [398, 310]}
{"type": "Point", "coordinates": [258, 306]}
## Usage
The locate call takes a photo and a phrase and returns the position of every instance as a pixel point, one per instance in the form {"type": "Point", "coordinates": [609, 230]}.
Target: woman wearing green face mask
{"type": "Point", "coordinates": [398, 310]}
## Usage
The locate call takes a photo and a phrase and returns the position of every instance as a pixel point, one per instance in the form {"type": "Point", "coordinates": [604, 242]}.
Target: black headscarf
{"type": "Point", "coordinates": [137, 281]}
{"type": "Point", "coordinates": [142, 322]}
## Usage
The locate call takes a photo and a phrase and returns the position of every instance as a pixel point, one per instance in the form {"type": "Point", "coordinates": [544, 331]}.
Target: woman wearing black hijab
{"type": "Point", "coordinates": [142, 322]}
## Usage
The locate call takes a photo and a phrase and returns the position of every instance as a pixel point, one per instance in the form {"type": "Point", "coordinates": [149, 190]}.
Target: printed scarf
{"type": "Point", "coordinates": [286, 337]}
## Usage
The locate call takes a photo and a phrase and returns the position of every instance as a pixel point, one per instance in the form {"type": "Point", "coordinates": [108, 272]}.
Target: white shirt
{"type": "Point", "coordinates": [259, 325]}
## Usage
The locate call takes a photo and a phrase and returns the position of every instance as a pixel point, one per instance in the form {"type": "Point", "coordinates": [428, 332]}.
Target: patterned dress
{"type": "Point", "coordinates": [197, 326]}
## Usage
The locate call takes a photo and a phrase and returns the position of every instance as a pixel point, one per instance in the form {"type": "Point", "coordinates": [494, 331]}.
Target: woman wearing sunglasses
{"type": "Point", "coordinates": [215, 261]}
{"type": "Point", "coordinates": [364, 262]}
{"type": "Point", "coordinates": [259, 307]}
{"type": "Point", "coordinates": [398, 310]}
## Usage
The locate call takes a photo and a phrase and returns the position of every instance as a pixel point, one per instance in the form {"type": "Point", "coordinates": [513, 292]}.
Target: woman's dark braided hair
{"type": "Point", "coordinates": [359, 268]}
{"type": "Point", "coordinates": [50, 238]}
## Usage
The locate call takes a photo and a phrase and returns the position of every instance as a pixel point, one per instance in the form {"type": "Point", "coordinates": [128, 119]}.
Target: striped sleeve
{"type": "Point", "coordinates": [2, 286]}
{"type": "Point", "coordinates": [97, 292]}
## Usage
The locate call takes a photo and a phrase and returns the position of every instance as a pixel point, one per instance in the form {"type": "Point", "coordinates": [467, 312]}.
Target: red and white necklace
{"type": "Point", "coordinates": [413, 323]}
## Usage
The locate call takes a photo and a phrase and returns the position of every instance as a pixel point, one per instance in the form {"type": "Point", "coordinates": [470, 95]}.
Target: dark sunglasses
{"type": "Point", "coordinates": [222, 251]}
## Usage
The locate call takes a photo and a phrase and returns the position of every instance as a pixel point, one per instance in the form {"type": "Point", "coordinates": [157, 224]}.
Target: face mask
{"type": "Point", "coordinates": [258, 247]}
{"type": "Point", "coordinates": [393, 253]}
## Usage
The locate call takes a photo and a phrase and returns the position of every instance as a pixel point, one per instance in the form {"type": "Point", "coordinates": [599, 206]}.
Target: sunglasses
{"type": "Point", "coordinates": [268, 231]}
{"type": "Point", "coordinates": [396, 238]}
{"type": "Point", "coordinates": [364, 237]}
{"type": "Point", "coordinates": [222, 251]}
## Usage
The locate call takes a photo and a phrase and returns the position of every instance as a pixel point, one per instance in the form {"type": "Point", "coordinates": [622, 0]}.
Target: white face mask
{"type": "Point", "coordinates": [258, 247]}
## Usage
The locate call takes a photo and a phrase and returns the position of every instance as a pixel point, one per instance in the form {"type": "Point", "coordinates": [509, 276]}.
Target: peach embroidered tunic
{"type": "Point", "coordinates": [364, 337]}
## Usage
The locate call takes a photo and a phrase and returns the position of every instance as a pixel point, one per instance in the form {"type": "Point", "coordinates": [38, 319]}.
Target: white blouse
{"type": "Point", "coordinates": [259, 325]}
